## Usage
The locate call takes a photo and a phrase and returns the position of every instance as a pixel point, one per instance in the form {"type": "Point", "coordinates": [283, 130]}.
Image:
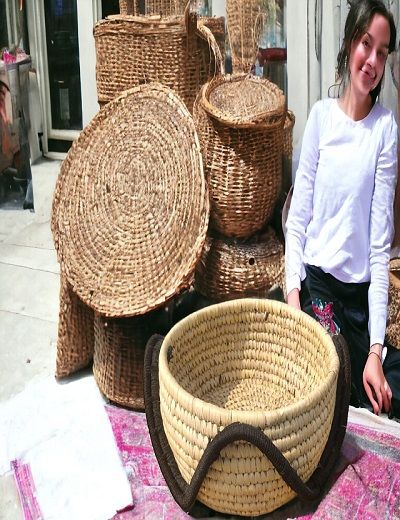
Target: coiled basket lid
{"type": "Point", "coordinates": [255, 362]}
{"type": "Point", "coordinates": [130, 210]}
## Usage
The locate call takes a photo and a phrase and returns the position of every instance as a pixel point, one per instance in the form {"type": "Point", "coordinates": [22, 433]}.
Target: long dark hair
{"type": "Point", "coordinates": [357, 22]}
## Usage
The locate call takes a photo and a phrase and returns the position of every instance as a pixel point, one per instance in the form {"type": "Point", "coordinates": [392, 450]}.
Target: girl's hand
{"type": "Point", "coordinates": [293, 298]}
{"type": "Point", "coordinates": [375, 384]}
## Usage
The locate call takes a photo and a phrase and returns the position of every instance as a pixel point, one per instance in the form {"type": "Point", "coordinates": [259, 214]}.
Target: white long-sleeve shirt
{"type": "Point", "coordinates": [341, 214]}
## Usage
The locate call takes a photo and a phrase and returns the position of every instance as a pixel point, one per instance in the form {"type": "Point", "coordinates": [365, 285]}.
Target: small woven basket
{"type": "Point", "coordinates": [239, 120]}
{"type": "Point", "coordinates": [134, 50]}
{"type": "Point", "coordinates": [75, 343]}
{"type": "Point", "coordinates": [393, 327]}
{"type": "Point", "coordinates": [247, 393]}
{"type": "Point", "coordinates": [229, 268]}
{"type": "Point", "coordinates": [119, 357]}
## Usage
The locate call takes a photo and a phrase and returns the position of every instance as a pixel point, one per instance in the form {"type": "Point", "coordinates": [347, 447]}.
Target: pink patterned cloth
{"type": "Point", "coordinates": [366, 482]}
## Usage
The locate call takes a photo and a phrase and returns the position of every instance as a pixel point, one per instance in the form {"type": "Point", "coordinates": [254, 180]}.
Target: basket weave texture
{"type": "Point", "coordinates": [130, 209]}
{"type": "Point", "coordinates": [256, 362]}
{"type": "Point", "coordinates": [75, 342]}
{"type": "Point", "coordinates": [134, 50]}
{"type": "Point", "coordinates": [216, 24]}
{"type": "Point", "coordinates": [239, 120]}
{"type": "Point", "coordinates": [393, 327]}
{"type": "Point", "coordinates": [129, 7]}
{"type": "Point", "coordinates": [230, 268]}
{"type": "Point", "coordinates": [118, 358]}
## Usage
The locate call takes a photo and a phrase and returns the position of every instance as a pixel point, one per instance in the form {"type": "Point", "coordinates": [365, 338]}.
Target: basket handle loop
{"type": "Point", "coordinates": [185, 494]}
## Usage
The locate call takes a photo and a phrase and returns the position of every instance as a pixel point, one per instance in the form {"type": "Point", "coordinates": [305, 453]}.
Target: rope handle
{"type": "Point", "coordinates": [185, 494]}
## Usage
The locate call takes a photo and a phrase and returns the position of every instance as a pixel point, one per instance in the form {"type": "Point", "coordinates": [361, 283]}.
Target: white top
{"type": "Point", "coordinates": [341, 214]}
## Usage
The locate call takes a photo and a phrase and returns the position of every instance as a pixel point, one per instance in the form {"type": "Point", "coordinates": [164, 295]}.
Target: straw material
{"type": "Point", "coordinates": [256, 362]}
{"type": "Point", "coordinates": [287, 152]}
{"type": "Point", "coordinates": [134, 50]}
{"type": "Point", "coordinates": [118, 358]}
{"type": "Point", "coordinates": [216, 24]}
{"type": "Point", "coordinates": [165, 7]}
{"type": "Point", "coordinates": [129, 7]}
{"type": "Point", "coordinates": [231, 268]}
{"type": "Point", "coordinates": [393, 327]}
{"type": "Point", "coordinates": [130, 210]}
{"type": "Point", "coordinates": [240, 122]}
{"type": "Point", "coordinates": [75, 343]}
{"type": "Point", "coordinates": [245, 23]}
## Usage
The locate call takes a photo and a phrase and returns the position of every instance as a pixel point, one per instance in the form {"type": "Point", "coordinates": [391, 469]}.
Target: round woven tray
{"type": "Point", "coordinates": [254, 371]}
{"type": "Point", "coordinates": [242, 145]}
{"type": "Point", "coordinates": [130, 210]}
{"type": "Point", "coordinates": [75, 342]}
{"type": "Point", "coordinates": [231, 268]}
{"type": "Point", "coordinates": [393, 327]}
{"type": "Point", "coordinates": [134, 50]}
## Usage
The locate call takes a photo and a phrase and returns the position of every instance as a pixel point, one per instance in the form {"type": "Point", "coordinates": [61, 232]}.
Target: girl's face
{"type": "Point", "coordinates": [368, 56]}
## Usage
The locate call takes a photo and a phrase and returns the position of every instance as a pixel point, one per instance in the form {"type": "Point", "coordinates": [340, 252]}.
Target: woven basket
{"type": "Point", "coordinates": [231, 269]}
{"type": "Point", "coordinates": [393, 327]}
{"type": "Point", "coordinates": [246, 409]}
{"type": "Point", "coordinates": [245, 23]}
{"type": "Point", "coordinates": [287, 151]}
{"type": "Point", "coordinates": [119, 356]}
{"type": "Point", "coordinates": [165, 7]}
{"type": "Point", "coordinates": [216, 24]}
{"type": "Point", "coordinates": [129, 7]}
{"type": "Point", "coordinates": [75, 343]}
{"type": "Point", "coordinates": [134, 50]}
{"type": "Point", "coordinates": [239, 120]}
{"type": "Point", "coordinates": [130, 209]}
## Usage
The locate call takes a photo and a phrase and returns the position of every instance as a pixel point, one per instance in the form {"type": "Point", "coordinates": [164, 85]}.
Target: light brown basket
{"type": "Point", "coordinates": [239, 120]}
{"type": "Point", "coordinates": [231, 268]}
{"type": "Point", "coordinates": [393, 327]}
{"type": "Point", "coordinates": [118, 358]}
{"type": "Point", "coordinates": [245, 23]}
{"type": "Point", "coordinates": [259, 363]}
{"type": "Point", "coordinates": [129, 7]}
{"type": "Point", "coordinates": [130, 209]}
{"type": "Point", "coordinates": [134, 50]}
{"type": "Point", "coordinates": [75, 343]}
{"type": "Point", "coordinates": [216, 24]}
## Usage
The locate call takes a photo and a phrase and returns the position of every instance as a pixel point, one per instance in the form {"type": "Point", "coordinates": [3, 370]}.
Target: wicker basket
{"type": "Point", "coordinates": [134, 50]}
{"type": "Point", "coordinates": [230, 268]}
{"type": "Point", "coordinates": [245, 23]}
{"type": "Point", "coordinates": [239, 120]}
{"type": "Point", "coordinates": [129, 7]}
{"type": "Point", "coordinates": [75, 343]}
{"type": "Point", "coordinates": [216, 24]}
{"type": "Point", "coordinates": [287, 151]}
{"type": "Point", "coordinates": [130, 209]}
{"type": "Point", "coordinates": [237, 381]}
{"type": "Point", "coordinates": [393, 327]}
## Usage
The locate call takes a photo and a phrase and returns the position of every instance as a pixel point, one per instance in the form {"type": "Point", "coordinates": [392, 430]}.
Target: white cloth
{"type": "Point", "coordinates": [63, 432]}
{"type": "Point", "coordinates": [341, 215]}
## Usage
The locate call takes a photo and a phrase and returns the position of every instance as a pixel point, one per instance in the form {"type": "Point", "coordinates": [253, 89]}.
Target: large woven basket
{"type": "Point", "coordinates": [249, 412]}
{"type": "Point", "coordinates": [393, 327]}
{"type": "Point", "coordinates": [75, 342]}
{"type": "Point", "coordinates": [130, 209]}
{"type": "Point", "coordinates": [239, 120]}
{"type": "Point", "coordinates": [171, 50]}
{"type": "Point", "coordinates": [232, 268]}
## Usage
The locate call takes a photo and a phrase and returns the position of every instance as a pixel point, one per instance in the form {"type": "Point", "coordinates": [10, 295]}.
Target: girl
{"type": "Point", "coordinates": [340, 223]}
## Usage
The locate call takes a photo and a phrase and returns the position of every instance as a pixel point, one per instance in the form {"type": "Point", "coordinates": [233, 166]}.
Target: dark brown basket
{"type": "Point", "coordinates": [173, 51]}
{"type": "Point", "coordinates": [393, 327]}
{"type": "Point", "coordinates": [240, 121]}
{"type": "Point", "coordinates": [287, 151]}
{"type": "Point", "coordinates": [75, 343]}
{"type": "Point", "coordinates": [230, 268]}
{"type": "Point", "coordinates": [118, 358]}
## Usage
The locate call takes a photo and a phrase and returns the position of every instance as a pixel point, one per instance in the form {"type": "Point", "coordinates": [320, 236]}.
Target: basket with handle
{"type": "Point", "coordinates": [393, 326]}
{"type": "Point", "coordinates": [233, 268]}
{"type": "Point", "coordinates": [240, 121]}
{"type": "Point", "coordinates": [173, 50]}
{"type": "Point", "coordinates": [246, 403]}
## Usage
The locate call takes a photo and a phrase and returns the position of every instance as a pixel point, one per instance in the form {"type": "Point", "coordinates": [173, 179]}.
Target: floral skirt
{"type": "Point", "coordinates": [343, 308]}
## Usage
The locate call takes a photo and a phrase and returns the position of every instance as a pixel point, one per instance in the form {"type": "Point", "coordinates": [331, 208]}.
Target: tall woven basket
{"type": "Point", "coordinates": [393, 327]}
{"type": "Point", "coordinates": [129, 7]}
{"type": "Point", "coordinates": [244, 407]}
{"type": "Point", "coordinates": [75, 343]}
{"type": "Point", "coordinates": [172, 50]}
{"type": "Point", "coordinates": [240, 122]}
{"type": "Point", "coordinates": [231, 268]}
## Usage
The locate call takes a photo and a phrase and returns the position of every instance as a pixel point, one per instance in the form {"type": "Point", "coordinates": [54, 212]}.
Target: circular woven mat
{"type": "Point", "coordinates": [130, 211]}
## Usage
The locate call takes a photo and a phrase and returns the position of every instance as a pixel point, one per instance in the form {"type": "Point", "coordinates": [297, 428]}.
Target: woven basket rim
{"type": "Point", "coordinates": [106, 112]}
{"type": "Point", "coordinates": [258, 418]}
{"type": "Point", "coordinates": [268, 118]}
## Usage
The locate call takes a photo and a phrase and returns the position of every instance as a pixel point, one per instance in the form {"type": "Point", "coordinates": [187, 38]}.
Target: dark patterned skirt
{"type": "Point", "coordinates": [343, 308]}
